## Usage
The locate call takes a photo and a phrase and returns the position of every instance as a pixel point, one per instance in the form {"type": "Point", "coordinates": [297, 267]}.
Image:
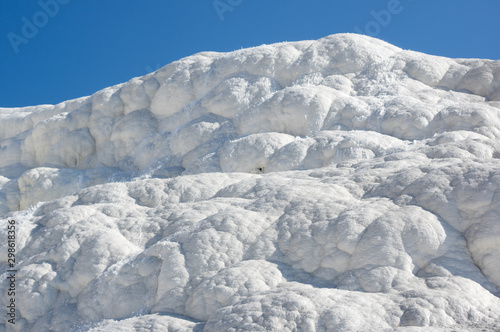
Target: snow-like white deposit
{"type": "Point", "coordinates": [342, 184]}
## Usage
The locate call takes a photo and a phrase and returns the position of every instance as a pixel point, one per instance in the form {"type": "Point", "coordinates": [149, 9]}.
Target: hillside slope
{"type": "Point", "coordinates": [342, 184]}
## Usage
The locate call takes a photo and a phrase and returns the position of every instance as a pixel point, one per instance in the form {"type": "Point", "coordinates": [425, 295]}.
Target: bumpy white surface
{"type": "Point", "coordinates": [342, 184]}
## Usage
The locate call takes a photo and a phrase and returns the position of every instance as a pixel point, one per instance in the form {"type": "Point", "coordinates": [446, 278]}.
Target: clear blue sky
{"type": "Point", "coordinates": [55, 50]}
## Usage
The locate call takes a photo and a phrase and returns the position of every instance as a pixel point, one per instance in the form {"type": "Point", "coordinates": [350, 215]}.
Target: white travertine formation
{"type": "Point", "coordinates": [342, 184]}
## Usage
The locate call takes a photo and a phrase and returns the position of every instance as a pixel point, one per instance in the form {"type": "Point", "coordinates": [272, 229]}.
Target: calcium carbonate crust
{"type": "Point", "coordinates": [342, 184]}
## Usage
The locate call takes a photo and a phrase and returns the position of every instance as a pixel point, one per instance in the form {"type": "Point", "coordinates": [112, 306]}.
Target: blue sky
{"type": "Point", "coordinates": [55, 50]}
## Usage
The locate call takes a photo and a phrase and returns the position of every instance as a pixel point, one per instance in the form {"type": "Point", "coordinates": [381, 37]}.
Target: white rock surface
{"type": "Point", "coordinates": [342, 184]}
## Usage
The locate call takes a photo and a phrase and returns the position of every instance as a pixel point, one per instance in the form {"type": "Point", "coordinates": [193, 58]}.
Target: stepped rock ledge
{"type": "Point", "coordinates": [342, 184]}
